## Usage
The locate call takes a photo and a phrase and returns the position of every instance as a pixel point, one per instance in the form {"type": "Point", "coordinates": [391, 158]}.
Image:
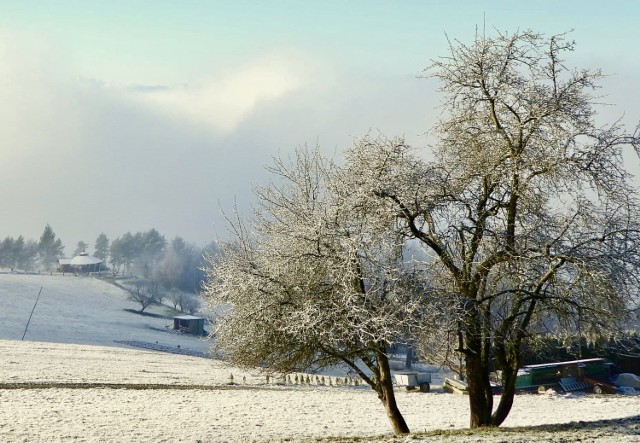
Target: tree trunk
{"type": "Point", "coordinates": [387, 397]}
{"type": "Point", "coordinates": [509, 374]}
{"type": "Point", "coordinates": [508, 358]}
{"type": "Point", "coordinates": [478, 384]}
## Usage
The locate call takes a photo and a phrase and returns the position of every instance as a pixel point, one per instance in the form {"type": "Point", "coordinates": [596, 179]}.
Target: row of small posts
{"type": "Point", "coordinates": [304, 379]}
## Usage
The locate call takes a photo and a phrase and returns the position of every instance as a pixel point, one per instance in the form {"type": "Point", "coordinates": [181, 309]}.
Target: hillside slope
{"type": "Point", "coordinates": [83, 310]}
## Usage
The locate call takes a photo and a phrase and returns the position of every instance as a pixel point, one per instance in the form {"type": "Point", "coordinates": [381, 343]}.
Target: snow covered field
{"type": "Point", "coordinates": [83, 310]}
{"type": "Point", "coordinates": [52, 389]}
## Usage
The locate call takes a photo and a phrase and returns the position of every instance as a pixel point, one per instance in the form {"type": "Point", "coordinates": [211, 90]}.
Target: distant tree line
{"type": "Point", "coordinates": [164, 270]}
{"type": "Point", "coordinates": [615, 346]}
{"type": "Point", "coordinates": [29, 255]}
{"type": "Point", "coordinates": [18, 253]}
{"type": "Point", "coordinates": [175, 266]}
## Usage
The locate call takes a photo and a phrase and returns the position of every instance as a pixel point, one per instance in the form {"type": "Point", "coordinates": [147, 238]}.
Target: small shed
{"type": "Point", "coordinates": [189, 323]}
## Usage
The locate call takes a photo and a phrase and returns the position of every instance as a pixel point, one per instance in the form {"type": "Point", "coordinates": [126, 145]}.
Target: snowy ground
{"type": "Point", "coordinates": [54, 390]}
{"type": "Point", "coordinates": [83, 310]}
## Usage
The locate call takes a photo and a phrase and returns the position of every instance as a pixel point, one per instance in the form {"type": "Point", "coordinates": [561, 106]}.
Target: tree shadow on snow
{"type": "Point", "coordinates": [627, 425]}
{"type": "Point", "coordinates": [619, 426]}
{"type": "Point", "coordinates": [148, 314]}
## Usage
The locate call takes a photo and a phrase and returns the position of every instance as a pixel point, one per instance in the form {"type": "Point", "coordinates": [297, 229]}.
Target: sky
{"type": "Point", "coordinates": [125, 115]}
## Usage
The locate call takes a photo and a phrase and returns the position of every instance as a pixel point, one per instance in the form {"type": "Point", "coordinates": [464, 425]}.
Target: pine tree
{"type": "Point", "coordinates": [102, 247]}
{"type": "Point", "coordinates": [49, 248]}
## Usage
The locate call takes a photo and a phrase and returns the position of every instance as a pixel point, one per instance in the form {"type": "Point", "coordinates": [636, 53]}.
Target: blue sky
{"type": "Point", "coordinates": [126, 115]}
{"type": "Point", "coordinates": [173, 41]}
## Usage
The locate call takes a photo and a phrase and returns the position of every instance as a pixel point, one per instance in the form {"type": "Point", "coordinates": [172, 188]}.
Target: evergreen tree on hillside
{"type": "Point", "coordinates": [49, 248]}
{"type": "Point", "coordinates": [7, 252]}
{"type": "Point", "coordinates": [149, 247]}
{"type": "Point", "coordinates": [102, 247]}
{"type": "Point", "coordinates": [138, 253]}
{"type": "Point", "coordinates": [30, 254]}
{"type": "Point", "coordinates": [19, 252]}
{"type": "Point", "coordinates": [122, 252]}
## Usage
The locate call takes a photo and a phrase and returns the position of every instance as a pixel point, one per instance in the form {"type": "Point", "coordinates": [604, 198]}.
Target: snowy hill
{"type": "Point", "coordinates": [82, 310]}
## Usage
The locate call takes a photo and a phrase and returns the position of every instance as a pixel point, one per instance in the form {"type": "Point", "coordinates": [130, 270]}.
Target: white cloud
{"type": "Point", "coordinates": [222, 102]}
{"type": "Point", "coordinates": [90, 156]}
{"type": "Point", "coordinates": [38, 114]}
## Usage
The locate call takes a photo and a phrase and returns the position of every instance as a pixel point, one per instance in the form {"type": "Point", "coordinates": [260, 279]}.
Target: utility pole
{"type": "Point", "coordinates": [30, 315]}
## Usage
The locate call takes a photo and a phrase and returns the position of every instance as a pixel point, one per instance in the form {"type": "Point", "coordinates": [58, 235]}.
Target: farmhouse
{"type": "Point", "coordinates": [80, 263]}
{"type": "Point", "coordinates": [85, 263]}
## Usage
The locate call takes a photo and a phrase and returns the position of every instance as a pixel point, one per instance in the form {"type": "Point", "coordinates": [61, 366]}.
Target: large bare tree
{"type": "Point", "coordinates": [525, 209]}
{"type": "Point", "coordinates": [313, 281]}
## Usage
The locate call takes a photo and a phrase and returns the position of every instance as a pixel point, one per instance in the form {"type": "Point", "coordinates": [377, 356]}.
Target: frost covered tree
{"type": "Point", "coordinates": [190, 303]}
{"type": "Point", "coordinates": [169, 268]}
{"type": "Point", "coordinates": [179, 267]}
{"type": "Point", "coordinates": [314, 281]}
{"type": "Point", "coordinates": [146, 293]}
{"type": "Point", "coordinates": [148, 247]}
{"type": "Point", "coordinates": [526, 211]}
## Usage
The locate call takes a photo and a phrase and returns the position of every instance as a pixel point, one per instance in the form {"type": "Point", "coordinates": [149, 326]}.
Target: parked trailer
{"type": "Point", "coordinates": [414, 380]}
